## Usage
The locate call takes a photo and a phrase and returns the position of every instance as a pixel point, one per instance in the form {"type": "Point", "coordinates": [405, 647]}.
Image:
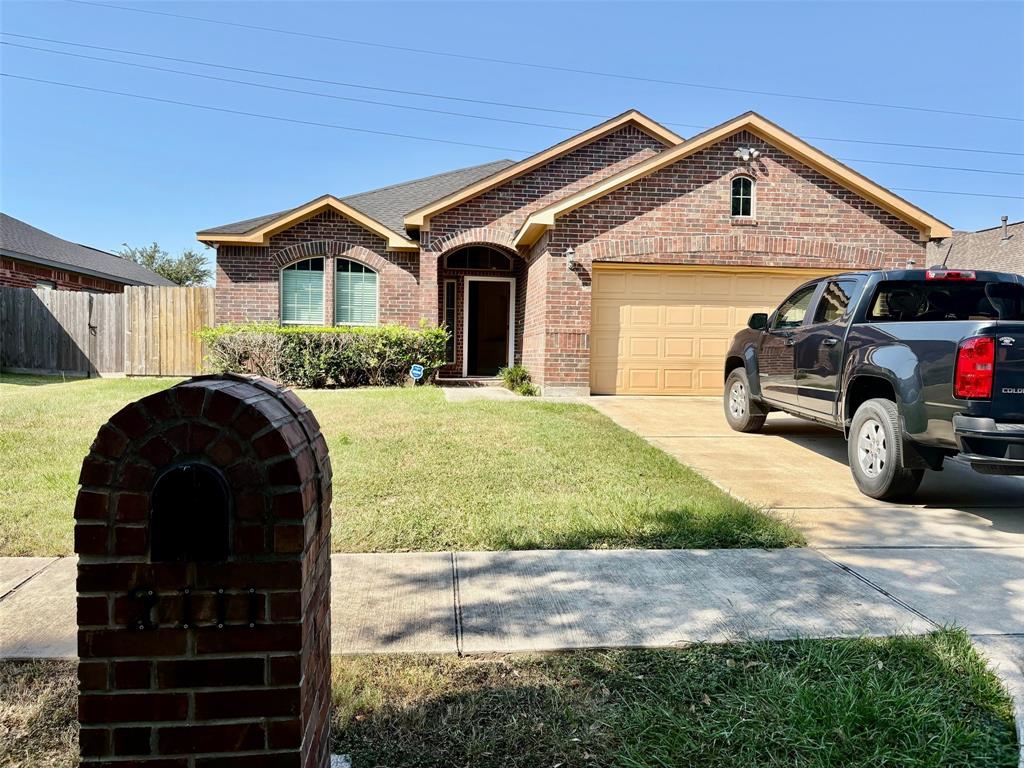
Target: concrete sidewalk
{"type": "Point", "coordinates": [481, 602]}
{"type": "Point", "coordinates": [484, 602]}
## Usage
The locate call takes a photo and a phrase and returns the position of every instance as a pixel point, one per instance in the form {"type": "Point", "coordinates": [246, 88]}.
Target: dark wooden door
{"type": "Point", "coordinates": [488, 333]}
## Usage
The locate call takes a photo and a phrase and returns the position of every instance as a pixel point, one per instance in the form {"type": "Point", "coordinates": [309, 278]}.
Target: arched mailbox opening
{"type": "Point", "coordinates": [189, 515]}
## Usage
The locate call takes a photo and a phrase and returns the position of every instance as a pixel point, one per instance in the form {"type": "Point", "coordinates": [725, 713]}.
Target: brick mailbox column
{"type": "Point", "coordinates": [203, 533]}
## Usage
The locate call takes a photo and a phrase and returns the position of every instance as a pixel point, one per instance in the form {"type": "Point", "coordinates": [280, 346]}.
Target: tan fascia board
{"type": "Point", "coordinates": [262, 235]}
{"type": "Point", "coordinates": [419, 218]}
{"type": "Point", "coordinates": [927, 225]}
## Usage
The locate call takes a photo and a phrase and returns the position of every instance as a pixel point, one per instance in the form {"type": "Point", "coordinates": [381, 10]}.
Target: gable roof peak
{"type": "Point", "coordinates": [927, 225]}
{"type": "Point", "coordinates": [418, 218]}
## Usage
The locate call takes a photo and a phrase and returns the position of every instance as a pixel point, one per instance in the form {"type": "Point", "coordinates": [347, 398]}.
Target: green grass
{"type": "Point", "coordinates": [411, 472]}
{"type": "Point", "coordinates": [901, 702]}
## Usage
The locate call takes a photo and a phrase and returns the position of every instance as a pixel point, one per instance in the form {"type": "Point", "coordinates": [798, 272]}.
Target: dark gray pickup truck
{"type": "Point", "coordinates": [914, 366]}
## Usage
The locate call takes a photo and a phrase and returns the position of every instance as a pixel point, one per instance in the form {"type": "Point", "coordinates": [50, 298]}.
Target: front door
{"type": "Point", "coordinates": [488, 304]}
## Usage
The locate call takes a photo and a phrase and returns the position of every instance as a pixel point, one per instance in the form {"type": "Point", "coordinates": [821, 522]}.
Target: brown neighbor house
{"type": "Point", "coordinates": [32, 258]}
{"type": "Point", "coordinates": [619, 261]}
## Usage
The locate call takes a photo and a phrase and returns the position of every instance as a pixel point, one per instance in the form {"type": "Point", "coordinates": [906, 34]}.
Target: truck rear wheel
{"type": "Point", "coordinates": [875, 449]}
{"type": "Point", "coordinates": [742, 413]}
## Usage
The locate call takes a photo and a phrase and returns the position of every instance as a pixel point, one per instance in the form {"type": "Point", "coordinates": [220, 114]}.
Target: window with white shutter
{"type": "Point", "coordinates": [302, 293]}
{"type": "Point", "coordinates": [355, 293]}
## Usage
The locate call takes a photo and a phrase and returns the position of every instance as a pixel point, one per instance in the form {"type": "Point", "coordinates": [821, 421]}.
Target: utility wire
{"type": "Point", "coordinates": [335, 126]}
{"type": "Point", "coordinates": [482, 101]}
{"type": "Point", "coordinates": [548, 67]}
{"type": "Point", "coordinates": [420, 109]}
{"type": "Point", "coordinates": [289, 90]}
{"type": "Point", "coordinates": [324, 81]}
{"type": "Point", "coordinates": [279, 118]}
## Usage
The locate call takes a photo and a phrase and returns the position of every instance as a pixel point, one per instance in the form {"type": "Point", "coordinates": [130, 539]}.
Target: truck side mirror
{"type": "Point", "coordinates": [758, 321]}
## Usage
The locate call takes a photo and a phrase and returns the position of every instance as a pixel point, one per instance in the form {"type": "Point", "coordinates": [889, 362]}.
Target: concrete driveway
{"type": "Point", "coordinates": [799, 470]}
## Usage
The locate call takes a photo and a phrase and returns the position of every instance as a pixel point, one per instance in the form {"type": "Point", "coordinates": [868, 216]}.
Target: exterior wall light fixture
{"type": "Point", "coordinates": [570, 258]}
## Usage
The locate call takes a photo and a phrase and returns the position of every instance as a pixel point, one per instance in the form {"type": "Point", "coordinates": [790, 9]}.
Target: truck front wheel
{"type": "Point", "coordinates": [876, 453]}
{"type": "Point", "coordinates": [742, 412]}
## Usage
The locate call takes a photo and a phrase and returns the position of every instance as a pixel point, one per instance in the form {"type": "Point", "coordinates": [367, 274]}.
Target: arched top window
{"type": "Point", "coordinates": [479, 257]}
{"type": "Point", "coordinates": [302, 292]}
{"type": "Point", "coordinates": [742, 196]}
{"type": "Point", "coordinates": [355, 293]}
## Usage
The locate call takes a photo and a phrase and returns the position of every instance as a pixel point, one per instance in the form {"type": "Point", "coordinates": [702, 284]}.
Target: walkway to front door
{"type": "Point", "coordinates": [488, 316]}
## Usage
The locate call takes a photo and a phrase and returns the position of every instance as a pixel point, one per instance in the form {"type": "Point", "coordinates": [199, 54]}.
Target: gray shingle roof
{"type": "Point", "coordinates": [985, 249]}
{"type": "Point", "coordinates": [27, 243]}
{"type": "Point", "coordinates": [388, 205]}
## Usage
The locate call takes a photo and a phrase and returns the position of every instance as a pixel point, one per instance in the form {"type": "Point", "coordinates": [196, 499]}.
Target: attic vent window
{"type": "Point", "coordinates": [743, 196]}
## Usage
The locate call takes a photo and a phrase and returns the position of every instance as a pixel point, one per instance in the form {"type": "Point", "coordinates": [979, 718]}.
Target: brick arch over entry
{"type": "Point", "coordinates": [336, 248]}
{"type": "Point", "coordinates": [491, 236]}
{"type": "Point", "coordinates": [736, 250]}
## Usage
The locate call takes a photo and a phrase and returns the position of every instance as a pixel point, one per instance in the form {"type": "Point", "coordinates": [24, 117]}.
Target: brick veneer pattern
{"type": "Point", "coordinates": [161, 686]}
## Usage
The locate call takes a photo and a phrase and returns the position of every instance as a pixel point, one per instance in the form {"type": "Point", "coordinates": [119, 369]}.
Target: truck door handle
{"type": "Point", "coordinates": [830, 342]}
{"type": "Point", "coordinates": [790, 341]}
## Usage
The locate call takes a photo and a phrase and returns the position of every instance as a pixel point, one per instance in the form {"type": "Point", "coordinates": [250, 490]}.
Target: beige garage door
{"type": "Point", "coordinates": [665, 331]}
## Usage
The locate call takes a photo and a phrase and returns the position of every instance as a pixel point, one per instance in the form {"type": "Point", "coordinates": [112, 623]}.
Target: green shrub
{"type": "Point", "coordinates": [517, 378]}
{"type": "Point", "coordinates": [321, 356]}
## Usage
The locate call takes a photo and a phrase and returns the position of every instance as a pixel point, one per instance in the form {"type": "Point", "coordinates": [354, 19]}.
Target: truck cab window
{"type": "Point", "coordinates": [901, 301]}
{"type": "Point", "coordinates": [793, 311]}
{"type": "Point", "coordinates": [835, 300]}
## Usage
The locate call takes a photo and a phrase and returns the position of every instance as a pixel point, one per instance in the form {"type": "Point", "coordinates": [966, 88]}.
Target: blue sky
{"type": "Point", "coordinates": [103, 169]}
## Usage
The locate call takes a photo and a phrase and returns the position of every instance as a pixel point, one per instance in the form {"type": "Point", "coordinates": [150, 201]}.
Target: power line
{"type": "Point", "coordinates": [949, 192]}
{"type": "Point", "coordinates": [261, 115]}
{"type": "Point", "coordinates": [485, 102]}
{"type": "Point", "coordinates": [923, 165]}
{"type": "Point", "coordinates": [420, 109]}
{"type": "Point", "coordinates": [335, 126]}
{"type": "Point", "coordinates": [324, 81]}
{"type": "Point", "coordinates": [548, 67]}
{"type": "Point", "coordinates": [288, 90]}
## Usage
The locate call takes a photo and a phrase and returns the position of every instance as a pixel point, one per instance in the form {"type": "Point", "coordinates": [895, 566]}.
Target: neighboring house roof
{"type": "Point", "coordinates": [418, 217]}
{"type": "Point", "coordinates": [24, 242]}
{"type": "Point", "coordinates": [386, 205]}
{"type": "Point", "coordinates": [928, 226]}
{"type": "Point", "coordinates": [984, 249]}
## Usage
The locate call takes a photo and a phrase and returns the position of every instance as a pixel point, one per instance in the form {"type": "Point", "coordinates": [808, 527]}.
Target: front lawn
{"type": "Point", "coordinates": [907, 702]}
{"type": "Point", "coordinates": [411, 472]}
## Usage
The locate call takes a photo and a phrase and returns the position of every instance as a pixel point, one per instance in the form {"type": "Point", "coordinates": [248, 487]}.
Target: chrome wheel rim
{"type": "Point", "coordinates": [737, 400]}
{"type": "Point", "coordinates": [872, 448]}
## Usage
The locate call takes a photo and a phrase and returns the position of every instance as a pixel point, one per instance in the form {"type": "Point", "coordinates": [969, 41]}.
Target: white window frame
{"type": "Point", "coordinates": [455, 319]}
{"type": "Point", "coordinates": [753, 196]}
{"type": "Point", "coordinates": [334, 294]}
{"type": "Point", "coordinates": [465, 318]}
{"type": "Point", "coordinates": [280, 292]}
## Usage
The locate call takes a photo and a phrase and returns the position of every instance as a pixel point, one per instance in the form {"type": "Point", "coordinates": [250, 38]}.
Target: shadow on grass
{"type": "Point", "coordinates": [33, 380]}
{"type": "Point", "coordinates": [857, 703]}
{"type": "Point", "coordinates": [730, 528]}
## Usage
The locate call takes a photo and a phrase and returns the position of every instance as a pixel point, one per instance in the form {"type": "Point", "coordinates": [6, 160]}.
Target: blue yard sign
{"type": "Point", "coordinates": [416, 372]}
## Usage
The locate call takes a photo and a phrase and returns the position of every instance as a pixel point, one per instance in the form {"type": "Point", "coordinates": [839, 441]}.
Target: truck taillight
{"type": "Point", "coordinates": [975, 368]}
{"type": "Point", "coordinates": [949, 274]}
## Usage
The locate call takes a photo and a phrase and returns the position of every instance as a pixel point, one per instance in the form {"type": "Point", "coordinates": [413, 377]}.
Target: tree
{"type": "Point", "coordinates": [187, 269]}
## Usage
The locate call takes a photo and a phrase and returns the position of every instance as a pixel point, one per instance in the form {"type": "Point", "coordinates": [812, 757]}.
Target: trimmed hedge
{"type": "Point", "coordinates": [322, 356]}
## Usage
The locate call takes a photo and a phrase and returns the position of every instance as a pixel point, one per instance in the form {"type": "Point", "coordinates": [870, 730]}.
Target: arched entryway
{"type": "Point", "coordinates": [479, 284]}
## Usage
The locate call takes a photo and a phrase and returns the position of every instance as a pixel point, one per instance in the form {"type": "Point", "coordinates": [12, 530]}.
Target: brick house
{"type": "Point", "coordinates": [32, 258]}
{"type": "Point", "coordinates": [619, 261]}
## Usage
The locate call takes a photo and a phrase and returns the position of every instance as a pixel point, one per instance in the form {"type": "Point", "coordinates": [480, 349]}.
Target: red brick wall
{"type": "Point", "coordinates": [682, 215]}
{"type": "Point", "coordinates": [494, 217]}
{"type": "Point", "coordinates": [248, 277]}
{"type": "Point", "coordinates": [23, 274]}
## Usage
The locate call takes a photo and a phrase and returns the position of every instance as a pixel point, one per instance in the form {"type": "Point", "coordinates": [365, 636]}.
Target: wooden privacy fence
{"type": "Point", "coordinates": [145, 331]}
